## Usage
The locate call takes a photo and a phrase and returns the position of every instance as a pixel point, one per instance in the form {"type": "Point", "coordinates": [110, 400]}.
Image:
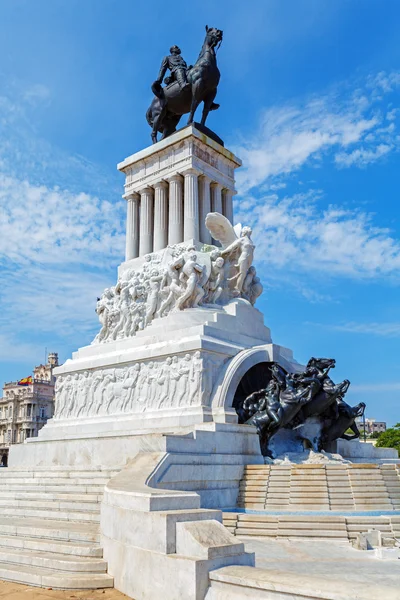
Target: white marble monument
{"type": "Point", "coordinates": [179, 328]}
{"type": "Point", "coordinates": [150, 400]}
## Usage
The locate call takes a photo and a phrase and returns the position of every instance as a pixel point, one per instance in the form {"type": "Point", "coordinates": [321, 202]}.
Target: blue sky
{"type": "Point", "coordinates": [310, 100]}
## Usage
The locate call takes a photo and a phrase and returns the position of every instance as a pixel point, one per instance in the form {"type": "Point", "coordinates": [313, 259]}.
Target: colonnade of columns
{"type": "Point", "coordinates": [172, 211]}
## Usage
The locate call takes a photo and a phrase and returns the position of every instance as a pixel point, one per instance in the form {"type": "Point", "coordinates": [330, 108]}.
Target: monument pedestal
{"type": "Point", "coordinates": [179, 330]}
{"type": "Point", "coordinates": [154, 394]}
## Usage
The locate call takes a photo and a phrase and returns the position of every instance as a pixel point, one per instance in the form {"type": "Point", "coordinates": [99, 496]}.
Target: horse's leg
{"type": "Point", "coordinates": [207, 105]}
{"type": "Point", "coordinates": [196, 99]}
{"type": "Point", "coordinates": [158, 125]}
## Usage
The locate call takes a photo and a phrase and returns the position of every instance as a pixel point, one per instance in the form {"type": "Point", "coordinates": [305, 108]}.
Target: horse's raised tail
{"type": "Point", "coordinates": [157, 90]}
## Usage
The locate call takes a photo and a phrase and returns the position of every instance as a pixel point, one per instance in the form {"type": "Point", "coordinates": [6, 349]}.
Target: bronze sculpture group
{"type": "Point", "coordinates": [289, 400]}
{"type": "Point", "coordinates": [186, 87]}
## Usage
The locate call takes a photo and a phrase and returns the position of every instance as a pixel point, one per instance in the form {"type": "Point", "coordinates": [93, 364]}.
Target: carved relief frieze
{"type": "Point", "coordinates": [175, 381]}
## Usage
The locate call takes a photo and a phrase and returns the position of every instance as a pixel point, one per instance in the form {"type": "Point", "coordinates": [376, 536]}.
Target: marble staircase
{"type": "Point", "coordinates": [340, 528]}
{"type": "Point", "coordinates": [321, 487]}
{"type": "Point", "coordinates": [49, 527]}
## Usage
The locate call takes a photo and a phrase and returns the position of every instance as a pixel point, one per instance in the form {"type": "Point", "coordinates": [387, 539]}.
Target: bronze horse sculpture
{"type": "Point", "coordinates": [171, 102]}
{"type": "Point", "coordinates": [291, 400]}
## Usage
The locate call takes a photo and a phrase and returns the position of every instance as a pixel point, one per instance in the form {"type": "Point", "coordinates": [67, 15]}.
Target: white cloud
{"type": "Point", "coordinates": [376, 387]}
{"type": "Point", "coordinates": [59, 245]}
{"type": "Point", "coordinates": [290, 136]}
{"type": "Point", "coordinates": [362, 157]}
{"type": "Point", "coordinates": [13, 350]}
{"type": "Point", "coordinates": [391, 115]}
{"type": "Point", "coordinates": [38, 93]}
{"type": "Point", "coordinates": [377, 329]}
{"type": "Point", "coordinates": [293, 234]}
{"type": "Point", "coordinates": [48, 225]}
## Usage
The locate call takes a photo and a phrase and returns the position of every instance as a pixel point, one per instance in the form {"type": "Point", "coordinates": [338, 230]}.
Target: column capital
{"type": "Point", "coordinates": [132, 196]}
{"type": "Point", "coordinates": [215, 184]}
{"type": "Point", "coordinates": [146, 189]}
{"type": "Point", "coordinates": [206, 179]}
{"type": "Point", "coordinates": [160, 184]}
{"type": "Point", "coordinates": [229, 191]}
{"type": "Point", "coordinates": [190, 171]}
{"type": "Point", "coordinates": [176, 177]}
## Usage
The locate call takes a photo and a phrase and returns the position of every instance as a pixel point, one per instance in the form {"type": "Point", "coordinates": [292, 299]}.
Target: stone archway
{"type": "Point", "coordinates": [235, 379]}
{"type": "Point", "coordinates": [256, 378]}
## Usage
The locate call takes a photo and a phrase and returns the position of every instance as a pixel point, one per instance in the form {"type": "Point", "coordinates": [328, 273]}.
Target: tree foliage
{"type": "Point", "coordinates": [390, 438]}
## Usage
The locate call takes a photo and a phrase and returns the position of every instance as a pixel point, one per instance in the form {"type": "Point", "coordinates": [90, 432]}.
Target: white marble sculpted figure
{"type": "Point", "coordinates": [179, 278]}
{"type": "Point", "coordinates": [175, 381]}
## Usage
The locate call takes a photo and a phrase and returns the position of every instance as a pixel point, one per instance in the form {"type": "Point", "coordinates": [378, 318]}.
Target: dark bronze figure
{"type": "Point", "coordinates": [289, 400]}
{"type": "Point", "coordinates": [177, 67]}
{"type": "Point", "coordinates": [336, 428]}
{"type": "Point", "coordinates": [186, 87]}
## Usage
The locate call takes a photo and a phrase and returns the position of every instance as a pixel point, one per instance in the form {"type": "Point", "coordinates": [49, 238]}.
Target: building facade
{"type": "Point", "coordinates": [26, 406]}
{"type": "Point", "coordinates": [371, 426]}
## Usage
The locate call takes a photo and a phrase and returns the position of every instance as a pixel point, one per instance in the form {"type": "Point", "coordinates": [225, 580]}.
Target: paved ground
{"type": "Point", "coordinates": [332, 560]}
{"type": "Point", "coordinates": [13, 591]}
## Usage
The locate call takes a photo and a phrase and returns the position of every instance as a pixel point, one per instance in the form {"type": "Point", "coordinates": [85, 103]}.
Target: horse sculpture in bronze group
{"type": "Point", "coordinates": [290, 400]}
{"type": "Point", "coordinates": [171, 102]}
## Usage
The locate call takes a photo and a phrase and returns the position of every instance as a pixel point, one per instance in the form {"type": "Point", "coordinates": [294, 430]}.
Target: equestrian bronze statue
{"type": "Point", "coordinates": [186, 87]}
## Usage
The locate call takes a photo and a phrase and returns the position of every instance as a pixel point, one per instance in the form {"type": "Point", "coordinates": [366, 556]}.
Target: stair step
{"type": "Point", "coordinates": [29, 481]}
{"type": "Point", "coordinates": [50, 529]}
{"type": "Point", "coordinates": [48, 578]}
{"type": "Point", "coordinates": [54, 561]}
{"type": "Point", "coordinates": [74, 489]}
{"type": "Point", "coordinates": [70, 497]}
{"type": "Point", "coordinates": [47, 514]}
{"type": "Point", "coordinates": [54, 505]}
{"type": "Point", "coordinates": [88, 549]}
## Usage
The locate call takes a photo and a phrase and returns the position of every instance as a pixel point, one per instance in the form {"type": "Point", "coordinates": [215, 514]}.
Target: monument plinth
{"type": "Point", "coordinates": [178, 314]}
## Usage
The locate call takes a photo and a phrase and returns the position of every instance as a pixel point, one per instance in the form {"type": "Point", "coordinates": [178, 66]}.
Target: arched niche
{"type": "Point", "coordinates": [256, 378]}
{"type": "Point", "coordinates": [248, 367]}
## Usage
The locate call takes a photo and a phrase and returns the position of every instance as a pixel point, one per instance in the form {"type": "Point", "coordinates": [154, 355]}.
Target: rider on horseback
{"type": "Point", "coordinates": [178, 67]}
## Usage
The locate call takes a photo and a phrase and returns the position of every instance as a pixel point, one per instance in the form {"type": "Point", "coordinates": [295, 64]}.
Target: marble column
{"type": "Point", "coordinates": [146, 221]}
{"type": "Point", "coordinates": [204, 207]}
{"type": "Point", "coordinates": [216, 203]}
{"type": "Point", "coordinates": [227, 204]}
{"type": "Point", "coordinates": [216, 197]}
{"type": "Point", "coordinates": [175, 218]}
{"type": "Point", "coordinates": [132, 227]}
{"type": "Point", "coordinates": [191, 205]}
{"type": "Point", "coordinates": [160, 216]}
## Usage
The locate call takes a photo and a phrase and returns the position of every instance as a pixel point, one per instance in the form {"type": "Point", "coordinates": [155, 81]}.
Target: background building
{"type": "Point", "coordinates": [26, 406]}
{"type": "Point", "coordinates": [371, 426]}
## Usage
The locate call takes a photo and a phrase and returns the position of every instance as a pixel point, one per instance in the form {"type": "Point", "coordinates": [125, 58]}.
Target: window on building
{"type": "Point", "coordinates": [9, 436]}
{"type": "Point", "coordinates": [28, 433]}
{"type": "Point", "coordinates": [42, 412]}
{"type": "Point", "coordinates": [29, 410]}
